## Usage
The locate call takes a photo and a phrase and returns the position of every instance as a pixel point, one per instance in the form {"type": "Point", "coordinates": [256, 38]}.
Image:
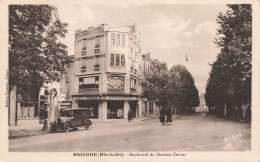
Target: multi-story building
{"type": "Point", "coordinates": [107, 71]}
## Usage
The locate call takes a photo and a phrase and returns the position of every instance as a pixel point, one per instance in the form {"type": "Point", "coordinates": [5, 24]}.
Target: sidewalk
{"type": "Point", "coordinates": [28, 127]}
{"type": "Point", "coordinates": [31, 127]}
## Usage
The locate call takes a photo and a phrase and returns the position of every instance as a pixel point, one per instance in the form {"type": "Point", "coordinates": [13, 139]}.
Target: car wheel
{"type": "Point", "coordinates": [87, 125]}
{"type": "Point", "coordinates": [53, 128]}
{"type": "Point", "coordinates": [66, 127]}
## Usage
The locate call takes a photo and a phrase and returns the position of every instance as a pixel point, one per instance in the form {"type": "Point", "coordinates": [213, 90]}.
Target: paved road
{"type": "Point", "coordinates": [189, 133]}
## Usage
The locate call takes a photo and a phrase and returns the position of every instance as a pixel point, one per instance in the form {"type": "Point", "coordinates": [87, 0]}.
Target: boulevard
{"type": "Point", "coordinates": [188, 133]}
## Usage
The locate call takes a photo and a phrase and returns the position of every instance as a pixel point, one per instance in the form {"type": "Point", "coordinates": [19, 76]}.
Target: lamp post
{"type": "Point", "coordinates": [46, 96]}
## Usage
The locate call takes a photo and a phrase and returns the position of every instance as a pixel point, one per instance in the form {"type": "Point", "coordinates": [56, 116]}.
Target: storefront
{"type": "Point", "coordinates": [115, 109]}
{"type": "Point", "coordinates": [105, 107]}
{"type": "Point", "coordinates": [91, 105]}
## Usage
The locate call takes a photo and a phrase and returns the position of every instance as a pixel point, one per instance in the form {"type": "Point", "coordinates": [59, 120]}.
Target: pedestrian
{"type": "Point", "coordinates": [169, 117]}
{"type": "Point", "coordinates": [162, 117]}
{"type": "Point", "coordinates": [129, 116]}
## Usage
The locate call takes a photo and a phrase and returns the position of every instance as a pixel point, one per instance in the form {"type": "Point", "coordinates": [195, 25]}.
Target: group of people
{"type": "Point", "coordinates": [165, 117]}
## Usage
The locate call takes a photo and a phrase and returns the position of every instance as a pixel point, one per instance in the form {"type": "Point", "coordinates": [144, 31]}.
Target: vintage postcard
{"type": "Point", "coordinates": [130, 80]}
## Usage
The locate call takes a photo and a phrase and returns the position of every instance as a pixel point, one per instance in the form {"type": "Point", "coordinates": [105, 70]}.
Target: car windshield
{"type": "Point", "coordinates": [66, 113]}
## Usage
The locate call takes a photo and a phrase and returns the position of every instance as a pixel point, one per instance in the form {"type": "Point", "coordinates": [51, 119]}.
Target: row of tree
{"type": "Point", "coordinates": [228, 90]}
{"type": "Point", "coordinates": [172, 88]}
{"type": "Point", "coordinates": [35, 49]}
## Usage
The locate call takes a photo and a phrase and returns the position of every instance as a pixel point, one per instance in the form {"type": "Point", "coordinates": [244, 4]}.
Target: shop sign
{"type": "Point", "coordinates": [120, 98]}
{"type": "Point", "coordinates": [87, 98]}
{"type": "Point", "coordinates": [107, 98]}
{"type": "Point", "coordinates": [65, 103]}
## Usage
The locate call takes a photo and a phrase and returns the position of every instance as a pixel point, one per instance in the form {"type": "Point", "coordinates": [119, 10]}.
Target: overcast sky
{"type": "Point", "coordinates": [169, 32]}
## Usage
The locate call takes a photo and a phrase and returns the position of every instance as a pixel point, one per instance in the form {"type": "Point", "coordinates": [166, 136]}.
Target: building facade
{"type": "Point", "coordinates": [107, 71]}
{"type": "Point", "coordinates": [202, 107]}
{"type": "Point", "coordinates": [149, 108]}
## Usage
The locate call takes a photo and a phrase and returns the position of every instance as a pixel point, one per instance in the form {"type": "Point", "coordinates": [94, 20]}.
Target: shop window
{"type": "Point", "coordinates": [133, 84]}
{"type": "Point", "coordinates": [116, 82]}
{"type": "Point", "coordinates": [89, 82]}
{"type": "Point", "coordinates": [91, 106]}
{"type": "Point", "coordinates": [115, 109]}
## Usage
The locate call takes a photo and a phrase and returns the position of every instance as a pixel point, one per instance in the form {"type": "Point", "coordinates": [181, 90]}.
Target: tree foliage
{"type": "Point", "coordinates": [171, 88]}
{"type": "Point", "coordinates": [230, 77]}
{"type": "Point", "coordinates": [35, 49]}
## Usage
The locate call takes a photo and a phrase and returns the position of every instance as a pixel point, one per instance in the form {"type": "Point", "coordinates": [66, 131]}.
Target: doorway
{"type": "Point", "coordinates": [133, 105]}
{"type": "Point", "coordinates": [115, 109]}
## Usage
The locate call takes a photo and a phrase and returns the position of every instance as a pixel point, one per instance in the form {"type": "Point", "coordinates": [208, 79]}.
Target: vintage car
{"type": "Point", "coordinates": [71, 118]}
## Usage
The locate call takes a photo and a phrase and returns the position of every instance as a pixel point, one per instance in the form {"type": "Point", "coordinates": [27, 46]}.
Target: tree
{"type": "Point", "coordinates": [35, 49]}
{"type": "Point", "coordinates": [230, 78]}
{"type": "Point", "coordinates": [171, 88]}
{"type": "Point", "coordinates": [157, 84]}
{"type": "Point", "coordinates": [185, 93]}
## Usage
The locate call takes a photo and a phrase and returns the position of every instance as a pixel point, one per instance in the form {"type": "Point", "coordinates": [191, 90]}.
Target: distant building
{"type": "Point", "coordinates": [202, 107]}
{"type": "Point", "coordinates": [149, 108]}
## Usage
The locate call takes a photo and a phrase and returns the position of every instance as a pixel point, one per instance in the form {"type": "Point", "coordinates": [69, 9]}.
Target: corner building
{"type": "Point", "coordinates": [107, 71]}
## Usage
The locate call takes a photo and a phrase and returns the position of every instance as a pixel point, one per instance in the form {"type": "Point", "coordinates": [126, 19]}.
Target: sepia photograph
{"type": "Point", "coordinates": [131, 80]}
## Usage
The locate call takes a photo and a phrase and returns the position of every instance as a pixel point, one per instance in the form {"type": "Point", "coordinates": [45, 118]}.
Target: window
{"type": "Point", "coordinates": [117, 60]}
{"type": "Point", "coordinates": [113, 39]}
{"type": "Point", "coordinates": [112, 60]}
{"type": "Point", "coordinates": [133, 84]}
{"type": "Point", "coordinates": [97, 42]}
{"type": "Point", "coordinates": [117, 39]}
{"type": "Point", "coordinates": [84, 46]}
{"type": "Point", "coordinates": [122, 59]}
{"type": "Point", "coordinates": [123, 40]}
{"type": "Point", "coordinates": [83, 65]}
{"type": "Point", "coordinates": [91, 106]}
{"type": "Point", "coordinates": [89, 82]}
{"type": "Point", "coordinates": [97, 63]}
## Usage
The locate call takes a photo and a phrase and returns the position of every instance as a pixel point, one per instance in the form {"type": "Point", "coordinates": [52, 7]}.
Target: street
{"type": "Point", "coordinates": [189, 133]}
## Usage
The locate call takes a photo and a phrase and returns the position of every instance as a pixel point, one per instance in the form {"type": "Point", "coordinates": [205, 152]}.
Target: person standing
{"type": "Point", "coordinates": [169, 117]}
{"type": "Point", "coordinates": [162, 117]}
{"type": "Point", "coordinates": [129, 116]}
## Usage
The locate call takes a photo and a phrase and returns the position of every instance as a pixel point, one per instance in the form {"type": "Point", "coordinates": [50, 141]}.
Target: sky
{"type": "Point", "coordinates": [168, 32]}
